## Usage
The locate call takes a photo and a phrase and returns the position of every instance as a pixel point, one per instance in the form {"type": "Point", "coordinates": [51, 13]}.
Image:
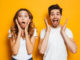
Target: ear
{"type": "Point", "coordinates": [49, 17]}
{"type": "Point", "coordinates": [61, 16]}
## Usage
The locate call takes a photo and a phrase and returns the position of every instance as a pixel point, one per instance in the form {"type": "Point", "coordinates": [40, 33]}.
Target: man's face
{"type": "Point", "coordinates": [55, 17]}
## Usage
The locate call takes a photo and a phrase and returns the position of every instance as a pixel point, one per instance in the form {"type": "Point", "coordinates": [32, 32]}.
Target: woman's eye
{"type": "Point", "coordinates": [19, 16]}
{"type": "Point", "coordinates": [25, 16]}
{"type": "Point", "coordinates": [52, 14]}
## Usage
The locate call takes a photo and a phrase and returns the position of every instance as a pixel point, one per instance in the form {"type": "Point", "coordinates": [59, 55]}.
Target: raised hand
{"type": "Point", "coordinates": [47, 25]}
{"type": "Point", "coordinates": [27, 25]}
{"type": "Point", "coordinates": [19, 28]}
{"type": "Point", "coordinates": [64, 27]}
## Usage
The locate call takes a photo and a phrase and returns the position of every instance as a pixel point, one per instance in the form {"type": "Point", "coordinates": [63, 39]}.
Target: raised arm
{"type": "Point", "coordinates": [14, 43]}
{"type": "Point", "coordinates": [30, 42]}
{"type": "Point", "coordinates": [69, 41]}
{"type": "Point", "coordinates": [44, 41]}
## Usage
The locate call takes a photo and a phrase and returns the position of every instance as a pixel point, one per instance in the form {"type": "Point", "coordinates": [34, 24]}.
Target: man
{"type": "Point", "coordinates": [55, 38]}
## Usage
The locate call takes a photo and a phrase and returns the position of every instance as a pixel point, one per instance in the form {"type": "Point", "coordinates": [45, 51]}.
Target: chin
{"type": "Point", "coordinates": [54, 26]}
{"type": "Point", "coordinates": [23, 27]}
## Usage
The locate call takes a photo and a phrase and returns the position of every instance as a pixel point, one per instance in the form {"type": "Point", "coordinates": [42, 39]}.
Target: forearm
{"type": "Point", "coordinates": [16, 44]}
{"type": "Point", "coordinates": [44, 42]}
{"type": "Point", "coordinates": [29, 45]}
{"type": "Point", "coordinates": [69, 42]}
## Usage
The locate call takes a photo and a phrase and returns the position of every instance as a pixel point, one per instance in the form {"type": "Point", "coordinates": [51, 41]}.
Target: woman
{"type": "Point", "coordinates": [22, 35]}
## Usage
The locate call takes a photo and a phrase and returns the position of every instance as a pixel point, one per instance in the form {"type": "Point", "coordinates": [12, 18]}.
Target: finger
{"type": "Point", "coordinates": [29, 22]}
{"type": "Point", "coordinates": [16, 22]}
{"type": "Point", "coordinates": [46, 21]}
{"type": "Point", "coordinates": [66, 23]}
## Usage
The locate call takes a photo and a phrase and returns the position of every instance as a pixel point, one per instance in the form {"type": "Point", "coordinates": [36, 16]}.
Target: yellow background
{"type": "Point", "coordinates": [39, 9]}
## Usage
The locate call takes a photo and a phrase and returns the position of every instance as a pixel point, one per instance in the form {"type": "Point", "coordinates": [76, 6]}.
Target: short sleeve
{"type": "Point", "coordinates": [42, 34]}
{"type": "Point", "coordinates": [35, 32]}
{"type": "Point", "coordinates": [69, 33]}
{"type": "Point", "coordinates": [9, 34]}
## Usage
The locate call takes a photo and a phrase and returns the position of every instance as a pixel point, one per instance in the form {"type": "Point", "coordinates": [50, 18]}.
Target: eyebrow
{"type": "Point", "coordinates": [58, 12]}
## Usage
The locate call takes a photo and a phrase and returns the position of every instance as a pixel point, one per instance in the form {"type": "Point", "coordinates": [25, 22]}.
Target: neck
{"type": "Point", "coordinates": [23, 33]}
{"type": "Point", "coordinates": [57, 26]}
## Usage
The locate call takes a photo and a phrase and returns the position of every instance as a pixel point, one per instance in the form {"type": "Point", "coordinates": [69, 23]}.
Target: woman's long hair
{"type": "Point", "coordinates": [14, 28]}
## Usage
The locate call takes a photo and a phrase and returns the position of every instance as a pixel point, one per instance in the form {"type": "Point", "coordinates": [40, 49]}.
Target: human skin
{"type": "Point", "coordinates": [55, 18]}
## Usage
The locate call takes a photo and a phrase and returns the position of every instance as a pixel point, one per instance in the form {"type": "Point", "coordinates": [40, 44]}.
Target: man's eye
{"type": "Point", "coordinates": [57, 14]}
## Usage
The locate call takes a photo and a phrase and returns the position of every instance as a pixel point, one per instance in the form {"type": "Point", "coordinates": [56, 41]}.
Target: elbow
{"type": "Point", "coordinates": [41, 51]}
{"type": "Point", "coordinates": [30, 51]}
{"type": "Point", "coordinates": [74, 50]}
{"type": "Point", "coordinates": [14, 53]}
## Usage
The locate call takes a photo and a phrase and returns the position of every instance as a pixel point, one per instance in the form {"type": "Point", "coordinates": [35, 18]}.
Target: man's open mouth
{"type": "Point", "coordinates": [55, 20]}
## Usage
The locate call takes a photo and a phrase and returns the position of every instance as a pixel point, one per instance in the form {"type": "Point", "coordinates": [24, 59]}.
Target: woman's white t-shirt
{"type": "Point", "coordinates": [56, 49]}
{"type": "Point", "coordinates": [22, 53]}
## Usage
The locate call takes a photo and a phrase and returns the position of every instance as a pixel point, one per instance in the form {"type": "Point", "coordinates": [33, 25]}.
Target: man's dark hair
{"type": "Point", "coordinates": [56, 6]}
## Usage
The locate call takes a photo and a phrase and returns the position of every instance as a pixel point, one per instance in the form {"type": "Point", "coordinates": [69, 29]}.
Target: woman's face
{"type": "Point", "coordinates": [23, 19]}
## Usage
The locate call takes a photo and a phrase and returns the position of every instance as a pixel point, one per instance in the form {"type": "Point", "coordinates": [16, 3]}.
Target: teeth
{"type": "Point", "coordinates": [55, 20]}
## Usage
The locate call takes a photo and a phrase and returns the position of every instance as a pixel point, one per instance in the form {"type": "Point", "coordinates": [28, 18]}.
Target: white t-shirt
{"type": "Point", "coordinates": [56, 49]}
{"type": "Point", "coordinates": [22, 53]}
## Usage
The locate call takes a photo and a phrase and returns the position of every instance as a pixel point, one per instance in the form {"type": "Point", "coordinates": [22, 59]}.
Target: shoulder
{"type": "Point", "coordinates": [9, 33]}
{"type": "Point", "coordinates": [43, 30]}
{"type": "Point", "coordinates": [35, 29]}
{"type": "Point", "coordinates": [35, 32]}
{"type": "Point", "coordinates": [42, 33]}
{"type": "Point", "coordinates": [69, 32]}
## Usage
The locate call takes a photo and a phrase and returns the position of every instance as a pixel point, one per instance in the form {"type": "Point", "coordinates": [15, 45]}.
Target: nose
{"type": "Point", "coordinates": [22, 18]}
{"type": "Point", "coordinates": [55, 16]}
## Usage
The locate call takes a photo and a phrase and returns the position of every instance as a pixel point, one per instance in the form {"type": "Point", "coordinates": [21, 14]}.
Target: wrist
{"type": "Point", "coordinates": [48, 30]}
{"type": "Point", "coordinates": [19, 32]}
{"type": "Point", "coordinates": [26, 30]}
{"type": "Point", "coordinates": [62, 32]}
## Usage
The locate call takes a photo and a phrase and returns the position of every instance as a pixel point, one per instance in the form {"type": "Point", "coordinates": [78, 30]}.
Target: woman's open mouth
{"type": "Point", "coordinates": [23, 22]}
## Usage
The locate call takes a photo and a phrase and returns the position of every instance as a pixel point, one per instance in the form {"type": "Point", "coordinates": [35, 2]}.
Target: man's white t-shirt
{"type": "Point", "coordinates": [22, 52]}
{"type": "Point", "coordinates": [56, 48]}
